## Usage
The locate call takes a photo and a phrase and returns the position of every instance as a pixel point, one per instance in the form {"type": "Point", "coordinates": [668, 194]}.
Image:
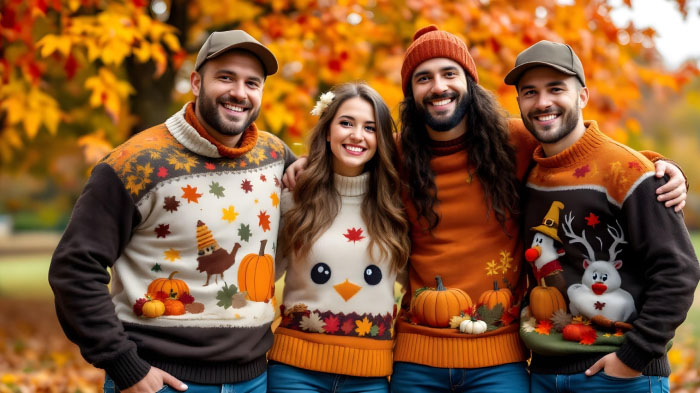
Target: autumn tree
{"type": "Point", "coordinates": [80, 76]}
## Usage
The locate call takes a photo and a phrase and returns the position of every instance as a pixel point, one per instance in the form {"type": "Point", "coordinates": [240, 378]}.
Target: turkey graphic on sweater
{"type": "Point", "coordinates": [599, 296]}
{"type": "Point", "coordinates": [213, 259]}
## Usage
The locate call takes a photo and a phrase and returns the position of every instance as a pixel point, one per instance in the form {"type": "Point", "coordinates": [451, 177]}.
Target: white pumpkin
{"type": "Point", "coordinates": [472, 327]}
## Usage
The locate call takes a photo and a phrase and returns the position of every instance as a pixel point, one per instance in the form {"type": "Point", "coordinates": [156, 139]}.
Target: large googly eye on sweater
{"type": "Point", "coordinates": [373, 275]}
{"type": "Point", "coordinates": [320, 273]}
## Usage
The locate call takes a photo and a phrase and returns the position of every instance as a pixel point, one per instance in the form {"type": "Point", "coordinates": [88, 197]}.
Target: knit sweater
{"type": "Point", "coordinates": [338, 308]}
{"type": "Point", "coordinates": [472, 253]}
{"type": "Point", "coordinates": [185, 221]}
{"type": "Point", "coordinates": [623, 257]}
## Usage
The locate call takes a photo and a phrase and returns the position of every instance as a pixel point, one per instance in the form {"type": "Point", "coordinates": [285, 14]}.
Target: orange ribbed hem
{"type": "Point", "coordinates": [459, 352]}
{"type": "Point", "coordinates": [293, 348]}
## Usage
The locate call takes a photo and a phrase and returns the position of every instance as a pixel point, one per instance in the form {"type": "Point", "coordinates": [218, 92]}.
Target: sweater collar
{"type": "Point", "coordinates": [445, 148]}
{"type": "Point", "coordinates": [186, 128]}
{"type": "Point", "coordinates": [591, 140]}
{"type": "Point", "coordinates": [351, 186]}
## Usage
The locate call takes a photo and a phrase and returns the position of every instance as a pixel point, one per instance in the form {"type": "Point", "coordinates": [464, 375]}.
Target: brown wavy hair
{"type": "Point", "coordinates": [317, 202]}
{"type": "Point", "coordinates": [490, 156]}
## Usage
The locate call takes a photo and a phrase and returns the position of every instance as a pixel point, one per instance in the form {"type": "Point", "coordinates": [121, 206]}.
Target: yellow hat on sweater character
{"type": "Point", "coordinates": [205, 240]}
{"type": "Point", "coordinates": [550, 222]}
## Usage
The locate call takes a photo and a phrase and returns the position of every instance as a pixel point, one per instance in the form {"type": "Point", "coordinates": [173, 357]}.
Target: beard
{"type": "Point", "coordinates": [450, 122]}
{"type": "Point", "coordinates": [569, 120]}
{"type": "Point", "coordinates": [209, 109]}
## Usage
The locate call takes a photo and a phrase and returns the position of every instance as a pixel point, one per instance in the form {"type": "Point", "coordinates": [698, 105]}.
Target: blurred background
{"type": "Point", "coordinates": [78, 77]}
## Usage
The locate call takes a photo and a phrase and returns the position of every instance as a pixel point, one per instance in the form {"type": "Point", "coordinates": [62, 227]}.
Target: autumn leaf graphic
{"type": "Point", "coordinates": [592, 220]}
{"type": "Point", "coordinates": [229, 214]}
{"type": "Point", "coordinates": [244, 232]}
{"type": "Point", "coordinates": [216, 189]}
{"type": "Point", "coordinates": [348, 326]}
{"type": "Point", "coordinates": [363, 327]}
{"type": "Point", "coordinates": [275, 199]}
{"type": "Point", "coordinates": [162, 172]}
{"type": "Point", "coordinates": [263, 178]}
{"type": "Point", "coordinates": [354, 235]}
{"type": "Point", "coordinates": [162, 230]}
{"type": "Point", "coordinates": [331, 324]}
{"type": "Point", "coordinates": [210, 166]}
{"type": "Point", "coordinates": [264, 222]}
{"type": "Point", "coordinates": [172, 254]}
{"type": "Point", "coordinates": [544, 326]}
{"type": "Point", "coordinates": [246, 186]}
{"type": "Point", "coordinates": [171, 204]}
{"type": "Point", "coordinates": [581, 172]}
{"type": "Point", "coordinates": [190, 193]}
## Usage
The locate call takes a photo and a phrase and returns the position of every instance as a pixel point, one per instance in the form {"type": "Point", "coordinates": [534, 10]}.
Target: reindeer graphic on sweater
{"type": "Point", "coordinates": [599, 294]}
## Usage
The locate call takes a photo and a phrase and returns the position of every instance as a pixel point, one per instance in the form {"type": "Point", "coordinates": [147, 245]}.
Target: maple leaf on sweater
{"type": "Point", "coordinates": [381, 330]}
{"type": "Point", "coordinates": [162, 172]}
{"type": "Point", "coordinates": [277, 182]}
{"type": "Point", "coordinates": [263, 178]}
{"type": "Point", "coordinates": [588, 337]}
{"type": "Point", "coordinates": [190, 193]}
{"type": "Point", "coordinates": [332, 324]}
{"type": "Point", "coordinates": [216, 189]}
{"type": "Point", "coordinates": [162, 230]}
{"type": "Point", "coordinates": [210, 166]}
{"type": "Point", "coordinates": [312, 323]}
{"type": "Point", "coordinates": [592, 220]}
{"type": "Point", "coordinates": [354, 235]}
{"type": "Point", "coordinates": [363, 327]}
{"type": "Point", "coordinates": [172, 254]}
{"type": "Point", "coordinates": [544, 326]}
{"type": "Point", "coordinates": [229, 214]}
{"type": "Point", "coordinates": [246, 186]}
{"type": "Point", "coordinates": [264, 222]}
{"type": "Point", "coordinates": [581, 172]}
{"type": "Point", "coordinates": [275, 199]}
{"type": "Point", "coordinates": [348, 326]}
{"type": "Point", "coordinates": [171, 204]}
{"type": "Point", "coordinates": [244, 232]}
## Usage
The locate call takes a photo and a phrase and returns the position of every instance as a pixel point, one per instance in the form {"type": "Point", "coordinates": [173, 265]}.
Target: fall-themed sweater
{"type": "Point", "coordinates": [627, 268]}
{"type": "Point", "coordinates": [473, 255]}
{"type": "Point", "coordinates": [188, 227]}
{"type": "Point", "coordinates": [339, 306]}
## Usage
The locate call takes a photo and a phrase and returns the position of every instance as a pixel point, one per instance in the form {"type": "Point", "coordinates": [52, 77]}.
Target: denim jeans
{"type": "Point", "coordinates": [599, 383]}
{"type": "Point", "coordinates": [417, 378]}
{"type": "Point", "coordinates": [255, 385]}
{"type": "Point", "coordinates": [285, 378]}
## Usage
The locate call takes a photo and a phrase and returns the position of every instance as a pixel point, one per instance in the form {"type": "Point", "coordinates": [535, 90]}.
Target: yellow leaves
{"type": "Point", "coordinates": [29, 106]}
{"type": "Point", "coordinates": [229, 214]}
{"type": "Point", "coordinates": [171, 255]}
{"type": "Point", "coordinates": [363, 327]}
{"type": "Point", "coordinates": [108, 91]}
{"type": "Point", "coordinates": [275, 199]}
{"type": "Point", "coordinates": [51, 43]}
{"type": "Point", "coordinates": [94, 146]}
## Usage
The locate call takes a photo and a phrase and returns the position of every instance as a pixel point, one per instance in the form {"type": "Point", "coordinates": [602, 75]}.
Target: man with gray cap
{"type": "Point", "coordinates": [185, 214]}
{"type": "Point", "coordinates": [629, 267]}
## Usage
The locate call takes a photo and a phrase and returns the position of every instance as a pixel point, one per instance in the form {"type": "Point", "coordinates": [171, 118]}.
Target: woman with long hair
{"type": "Point", "coordinates": [344, 239]}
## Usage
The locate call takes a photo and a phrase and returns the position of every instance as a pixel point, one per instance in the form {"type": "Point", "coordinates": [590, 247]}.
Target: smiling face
{"type": "Point", "coordinates": [229, 90]}
{"type": "Point", "coordinates": [352, 136]}
{"type": "Point", "coordinates": [440, 92]}
{"type": "Point", "coordinates": [550, 106]}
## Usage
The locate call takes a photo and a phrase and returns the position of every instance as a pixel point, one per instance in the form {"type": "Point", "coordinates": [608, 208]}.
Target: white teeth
{"type": "Point", "coordinates": [355, 149]}
{"type": "Point", "coordinates": [234, 108]}
{"type": "Point", "coordinates": [442, 102]}
{"type": "Point", "coordinates": [547, 117]}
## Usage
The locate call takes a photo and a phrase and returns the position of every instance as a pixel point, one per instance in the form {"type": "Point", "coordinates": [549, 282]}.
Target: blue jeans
{"type": "Point", "coordinates": [599, 383]}
{"type": "Point", "coordinates": [285, 378]}
{"type": "Point", "coordinates": [255, 385]}
{"type": "Point", "coordinates": [417, 378]}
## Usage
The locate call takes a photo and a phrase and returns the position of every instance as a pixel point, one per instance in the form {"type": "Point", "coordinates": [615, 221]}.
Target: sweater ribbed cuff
{"type": "Point", "coordinates": [126, 370]}
{"type": "Point", "coordinates": [633, 357]}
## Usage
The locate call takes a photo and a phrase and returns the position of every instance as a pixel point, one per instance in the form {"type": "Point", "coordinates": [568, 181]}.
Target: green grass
{"type": "Point", "coordinates": [25, 277]}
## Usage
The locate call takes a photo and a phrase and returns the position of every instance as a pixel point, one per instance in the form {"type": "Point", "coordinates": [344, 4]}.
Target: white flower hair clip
{"type": "Point", "coordinates": [322, 103]}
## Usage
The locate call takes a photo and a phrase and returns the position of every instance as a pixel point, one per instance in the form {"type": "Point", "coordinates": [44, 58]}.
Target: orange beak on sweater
{"type": "Point", "coordinates": [347, 289]}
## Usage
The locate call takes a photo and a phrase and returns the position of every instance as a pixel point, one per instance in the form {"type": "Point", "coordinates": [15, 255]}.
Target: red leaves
{"type": "Point", "coordinates": [190, 193]}
{"type": "Point", "coordinates": [171, 204]}
{"type": "Point", "coordinates": [544, 327]}
{"type": "Point", "coordinates": [162, 230]}
{"type": "Point", "coordinates": [581, 172]}
{"type": "Point", "coordinates": [592, 220]}
{"type": "Point", "coordinates": [264, 222]}
{"type": "Point", "coordinates": [162, 172]}
{"type": "Point", "coordinates": [331, 325]}
{"type": "Point", "coordinates": [354, 235]}
{"type": "Point", "coordinates": [246, 186]}
{"type": "Point", "coordinates": [584, 334]}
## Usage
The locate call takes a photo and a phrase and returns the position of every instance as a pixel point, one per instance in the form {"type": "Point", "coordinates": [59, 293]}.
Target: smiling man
{"type": "Point", "coordinates": [463, 164]}
{"type": "Point", "coordinates": [628, 263]}
{"type": "Point", "coordinates": [173, 212]}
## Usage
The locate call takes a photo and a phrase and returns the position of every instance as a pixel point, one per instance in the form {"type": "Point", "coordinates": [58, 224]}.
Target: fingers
{"type": "Point", "coordinates": [679, 207]}
{"type": "Point", "coordinates": [597, 366]}
{"type": "Point", "coordinates": [676, 182]}
{"type": "Point", "coordinates": [173, 382]}
{"type": "Point", "coordinates": [288, 181]}
{"type": "Point", "coordinates": [661, 167]}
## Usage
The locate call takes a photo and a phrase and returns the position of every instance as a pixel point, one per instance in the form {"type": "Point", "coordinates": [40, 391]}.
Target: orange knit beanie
{"type": "Point", "coordinates": [429, 43]}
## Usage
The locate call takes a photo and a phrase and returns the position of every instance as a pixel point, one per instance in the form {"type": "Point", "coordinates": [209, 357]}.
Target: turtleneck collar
{"type": "Point", "coordinates": [445, 148]}
{"type": "Point", "coordinates": [187, 129]}
{"type": "Point", "coordinates": [351, 186]}
{"type": "Point", "coordinates": [591, 140]}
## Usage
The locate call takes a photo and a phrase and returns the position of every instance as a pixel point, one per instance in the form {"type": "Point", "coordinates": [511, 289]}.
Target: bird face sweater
{"type": "Point", "coordinates": [479, 265]}
{"type": "Point", "coordinates": [188, 228]}
{"type": "Point", "coordinates": [339, 307]}
{"type": "Point", "coordinates": [625, 270]}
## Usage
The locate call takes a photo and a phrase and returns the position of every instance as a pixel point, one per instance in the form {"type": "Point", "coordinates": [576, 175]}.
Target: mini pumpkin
{"type": "Point", "coordinates": [168, 285]}
{"type": "Point", "coordinates": [545, 301]}
{"type": "Point", "coordinates": [470, 326]}
{"type": "Point", "coordinates": [256, 275]}
{"type": "Point", "coordinates": [153, 308]}
{"type": "Point", "coordinates": [492, 298]}
{"type": "Point", "coordinates": [435, 307]}
{"type": "Point", "coordinates": [173, 306]}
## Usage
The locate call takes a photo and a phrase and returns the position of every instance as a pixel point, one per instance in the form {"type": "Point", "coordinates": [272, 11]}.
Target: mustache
{"type": "Point", "coordinates": [244, 103]}
{"type": "Point", "coordinates": [449, 95]}
{"type": "Point", "coordinates": [550, 111]}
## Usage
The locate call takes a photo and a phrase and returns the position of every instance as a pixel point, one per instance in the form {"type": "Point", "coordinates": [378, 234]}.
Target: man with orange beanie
{"type": "Point", "coordinates": [463, 163]}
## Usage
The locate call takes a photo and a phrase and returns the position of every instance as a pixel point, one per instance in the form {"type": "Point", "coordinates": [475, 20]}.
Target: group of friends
{"type": "Point", "coordinates": [536, 254]}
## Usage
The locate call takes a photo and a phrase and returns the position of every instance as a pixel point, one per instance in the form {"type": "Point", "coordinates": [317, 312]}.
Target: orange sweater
{"type": "Point", "coordinates": [470, 251]}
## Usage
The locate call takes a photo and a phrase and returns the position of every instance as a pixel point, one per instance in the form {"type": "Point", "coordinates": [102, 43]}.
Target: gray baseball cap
{"type": "Point", "coordinates": [223, 41]}
{"type": "Point", "coordinates": [546, 53]}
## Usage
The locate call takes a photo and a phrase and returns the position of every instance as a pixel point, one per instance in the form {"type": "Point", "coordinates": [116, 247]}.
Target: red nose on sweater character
{"type": "Point", "coordinates": [532, 253]}
{"type": "Point", "coordinates": [599, 288]}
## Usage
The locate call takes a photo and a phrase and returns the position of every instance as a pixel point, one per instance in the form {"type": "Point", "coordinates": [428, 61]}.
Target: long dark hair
{"type": "Point", "coordinates": [490, 156]}
{"type": "Point", "coordinates": [317, 202]}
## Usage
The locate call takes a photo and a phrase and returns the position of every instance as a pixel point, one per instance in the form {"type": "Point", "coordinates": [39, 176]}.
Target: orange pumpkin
{"type": "Point", "coordinates": [168, 285]}
{"type": "Point", "coordinates": [435, 307]}
{"type": "Point", "coordinates": [256, 275]}
{"type": "Point", "coordinates": [491, 298]}
{"type": "Point", "coordinates": [545, 301]}
{"type": "Point", "coordinates": [153, 308]}
{"type": "Point", "coordinates": [174, 307]}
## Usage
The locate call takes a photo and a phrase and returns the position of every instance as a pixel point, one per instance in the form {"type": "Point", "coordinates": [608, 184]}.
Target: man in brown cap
{"type": "Point", "coordinates": [629, 265]}
{"type": "Point", "coordinates": [138, 215]}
